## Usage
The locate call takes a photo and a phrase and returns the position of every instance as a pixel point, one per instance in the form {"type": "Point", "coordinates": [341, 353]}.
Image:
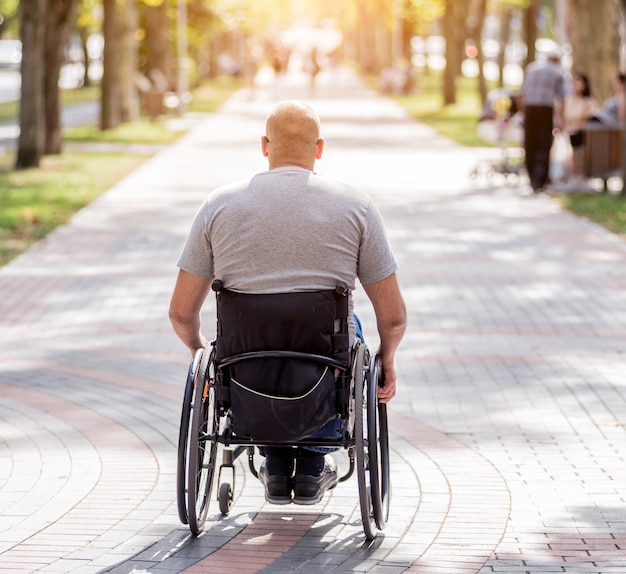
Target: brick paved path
{"type": "Point", "coordinates": [507, 433]}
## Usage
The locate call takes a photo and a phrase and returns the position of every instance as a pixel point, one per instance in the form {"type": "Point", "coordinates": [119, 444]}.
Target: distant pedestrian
{"type": "Point", "coordinates": [543, 92]}
{"type": "Point", "coordinates": [313, 66]}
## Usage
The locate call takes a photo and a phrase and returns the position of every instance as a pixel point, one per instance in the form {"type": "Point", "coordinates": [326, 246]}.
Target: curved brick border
{"type": "Point", "coordinates": [74, 529]}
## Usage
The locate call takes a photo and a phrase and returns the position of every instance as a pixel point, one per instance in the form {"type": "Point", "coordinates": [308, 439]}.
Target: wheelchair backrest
{"type": "Point", "coordinates": [308, 322]}
{"type": "Point", "coordinates": [276, 397]}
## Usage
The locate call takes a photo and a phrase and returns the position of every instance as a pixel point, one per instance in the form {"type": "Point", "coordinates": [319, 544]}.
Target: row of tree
{"type": "Point", "coordinates": [592, 28]}
{"type": "Point", "coordinates": [52, 21]}
{"type": "Point", "coordinates": [141, 35]}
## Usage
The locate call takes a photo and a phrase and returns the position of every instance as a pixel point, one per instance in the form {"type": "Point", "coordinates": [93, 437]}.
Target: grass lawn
{"type": "Point", "coordinates": [142, 131]}
{"type": "Point", "coordinates": [208, 97]}
{"type": "Point", "coordinates": [457, 122]}
{"type": "Point", "coordinates": [605, 209]}
{"type": "Point", "coordinates": [34, 202]}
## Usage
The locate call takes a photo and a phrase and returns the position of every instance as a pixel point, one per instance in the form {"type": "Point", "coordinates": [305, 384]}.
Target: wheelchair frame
{"type": "Point", "coordinates": [204, 430]}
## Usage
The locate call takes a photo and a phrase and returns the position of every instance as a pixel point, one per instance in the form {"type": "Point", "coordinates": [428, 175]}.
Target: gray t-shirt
{"type": "Point", "coordinates": [287, 230]}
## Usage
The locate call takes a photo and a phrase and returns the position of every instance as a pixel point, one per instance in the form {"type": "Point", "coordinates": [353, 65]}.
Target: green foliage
{"type": "Point", "coordinates": [513, 3]}
{"type": "Point", "coordinates": [9, 111]}
{"type": "Point", "coordinates": [87, 15]}
{"type": "Point", "coordinates": [423, 13]}
{"type": "Point", "coordinates": [9, 18]}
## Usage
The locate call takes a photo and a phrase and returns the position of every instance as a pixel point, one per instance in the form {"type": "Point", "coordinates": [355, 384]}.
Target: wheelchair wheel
{"type": "Point", "coordinates": [183, 438]}
{"type": "Point", "coordinates": [202, 451]}
{"type": "Point", "coordinates": [378, 445]}
{"type": "Point", "coordinates": [361, 443]}
{"type": "Point", "coordinates": [372, 444]}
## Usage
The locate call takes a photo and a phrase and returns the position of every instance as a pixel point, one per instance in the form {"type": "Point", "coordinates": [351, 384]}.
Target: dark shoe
{"type": "Point", "coordinates": [277, 486]}
{"type": "Point", "coordinates": [310, 489]}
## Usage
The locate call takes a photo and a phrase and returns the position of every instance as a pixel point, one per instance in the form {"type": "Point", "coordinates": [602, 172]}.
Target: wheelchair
{"type": "Point", "coordinates": [280, 368]}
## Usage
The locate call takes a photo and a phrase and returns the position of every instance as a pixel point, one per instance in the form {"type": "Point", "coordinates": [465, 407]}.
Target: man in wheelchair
{"type": "Point", "coordinates": [290, 230]}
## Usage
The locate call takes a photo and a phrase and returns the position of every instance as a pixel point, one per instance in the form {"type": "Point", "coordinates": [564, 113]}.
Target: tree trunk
{"type": "Point", "coordinates": [366, 38]}
{"type": "Point", "coordinates": [505, 36]}
{"type": "Point", "coordinates": [449, 76]}
{"type": "Point", "coordinates": [159, 53]}
{"type": "Point", "coordinates": [59, 18]}
{"type": "Point", "coordinates": [454, 28]}
{"type": "Point", "coordinates": [129, 105]}
{"type": "Point", "coordinates": [531, 30]}
{"type": "Point", "coordinates": [407, 31]}
{"type": "Point", "coordinates": [110, 112]}
{"type": "Point", "coordinates": [623, 12]}
{"type": "Point", "coordinates": [476, 33]}
{"type": "Point", "coordinates": [383, 44]}
{"type": "Point", "coordinates": [593, 31]}
{"type": "Point", "coordinates": [32, 126]}
{"type": "Point", "coordinates": [84, 34]}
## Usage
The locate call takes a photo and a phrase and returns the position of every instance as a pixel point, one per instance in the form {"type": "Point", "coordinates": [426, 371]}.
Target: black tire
{"type": "Point", "coordinates": [378, 445]}
{"type": "Point", "coordinates": [225, 498]}
{"type": "Point", "coordinates": [202, 445]}
{"type": "Point", "coordinates": [183, 438]}
{"type": "Point", "coordinates": [361, 442]}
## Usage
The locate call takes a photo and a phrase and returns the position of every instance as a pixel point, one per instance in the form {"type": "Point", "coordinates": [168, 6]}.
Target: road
{"type": "Point", "coordinates": [9, 85]}
{"type": "Point", "coordinates": [76, 115]}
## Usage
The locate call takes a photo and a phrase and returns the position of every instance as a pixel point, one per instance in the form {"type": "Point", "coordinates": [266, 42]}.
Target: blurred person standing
{"type": "Point", "coordinates": [543, 92]}
{"type": "Point", "coordinates": [312, 66]}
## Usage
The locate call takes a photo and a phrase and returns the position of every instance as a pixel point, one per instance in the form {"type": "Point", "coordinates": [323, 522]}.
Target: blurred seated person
{"type": "Point", "coordinates": [613, 111]}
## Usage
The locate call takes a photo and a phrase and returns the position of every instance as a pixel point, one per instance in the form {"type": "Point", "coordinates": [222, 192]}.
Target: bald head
{"type": "Point", "coordinates": [292, 136]}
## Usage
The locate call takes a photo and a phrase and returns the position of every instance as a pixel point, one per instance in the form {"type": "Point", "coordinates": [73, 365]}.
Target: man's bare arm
{"type": "Point", "coordinates": [187, 299]}
{"type": "Point", "coordinates": [391, 322]}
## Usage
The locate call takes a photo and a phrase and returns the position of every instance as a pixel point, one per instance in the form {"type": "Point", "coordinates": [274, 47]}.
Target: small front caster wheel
{"type": "Point", "coordinates": [225, 498]}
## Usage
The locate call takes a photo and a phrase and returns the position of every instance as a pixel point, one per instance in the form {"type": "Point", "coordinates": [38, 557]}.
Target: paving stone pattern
{"type": "Point", "coordinates": [507, 433]}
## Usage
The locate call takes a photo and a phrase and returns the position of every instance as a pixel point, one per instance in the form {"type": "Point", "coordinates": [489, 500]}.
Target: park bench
{"type": "Point", "coordinates": [155, 97]}
{"type": "Point", "coordinates": [602, 157]}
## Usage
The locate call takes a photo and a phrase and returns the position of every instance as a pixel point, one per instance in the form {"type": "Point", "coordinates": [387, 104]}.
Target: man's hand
{"type": "Point", "coordinates": [388, 391]}
{"type": "Point", "coordinates": [391, 322]}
